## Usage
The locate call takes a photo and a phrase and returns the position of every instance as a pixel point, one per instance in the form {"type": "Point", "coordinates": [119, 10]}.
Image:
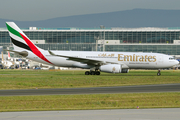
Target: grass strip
{"type": "Point", "coordinates": [94, 101]}
{"type": "Point", "coordinates": [31, 79]}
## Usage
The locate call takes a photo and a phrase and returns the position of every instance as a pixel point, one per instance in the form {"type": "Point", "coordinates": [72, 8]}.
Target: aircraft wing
{"type": "Point", "coordinates": [82, 60]}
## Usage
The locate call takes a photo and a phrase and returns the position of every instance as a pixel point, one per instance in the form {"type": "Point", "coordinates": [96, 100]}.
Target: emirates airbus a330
{"type": "Point", "coordinates": [111, 62]}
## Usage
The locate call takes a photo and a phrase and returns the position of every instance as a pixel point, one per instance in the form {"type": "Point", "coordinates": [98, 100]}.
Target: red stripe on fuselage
{"type": "Point", "coordinates": [34, 49]}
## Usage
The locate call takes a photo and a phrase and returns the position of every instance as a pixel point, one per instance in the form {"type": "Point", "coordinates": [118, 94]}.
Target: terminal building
{"type": "Point", "coordinates": [158, 40]}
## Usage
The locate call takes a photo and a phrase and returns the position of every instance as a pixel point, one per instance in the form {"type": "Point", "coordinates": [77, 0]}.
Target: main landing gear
{"type": "Point", "coordinates": [92, 73]}
{"type": "Point", "coordinates": [159, 72]}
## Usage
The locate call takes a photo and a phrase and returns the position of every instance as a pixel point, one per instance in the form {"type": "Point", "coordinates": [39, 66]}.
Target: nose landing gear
{"type": "Point", "coordinates": [159, 72]}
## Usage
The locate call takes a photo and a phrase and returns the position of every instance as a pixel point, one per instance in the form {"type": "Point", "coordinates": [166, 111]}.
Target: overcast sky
{"type": "Point", "coordinates": [32, 10]}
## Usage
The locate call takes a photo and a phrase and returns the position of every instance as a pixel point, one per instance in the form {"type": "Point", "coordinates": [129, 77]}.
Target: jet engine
{"type": "Point", "coordinates": [111, 68]}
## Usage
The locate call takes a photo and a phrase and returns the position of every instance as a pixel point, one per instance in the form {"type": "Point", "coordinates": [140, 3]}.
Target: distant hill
{"type": "Point", "coordinates": [128, 18]}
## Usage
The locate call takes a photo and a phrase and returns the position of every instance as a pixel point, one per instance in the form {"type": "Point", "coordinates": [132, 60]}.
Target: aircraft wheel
{"type": "Point", "coordinates": [87, 73]}
{"type": "Point", "coordinates": [97, 73]}
{"type": "Point", "coordinates": [158, 74]}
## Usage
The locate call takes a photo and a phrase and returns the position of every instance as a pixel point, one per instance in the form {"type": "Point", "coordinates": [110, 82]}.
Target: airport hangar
{"type": "Point", "coordinates": [149, 39]}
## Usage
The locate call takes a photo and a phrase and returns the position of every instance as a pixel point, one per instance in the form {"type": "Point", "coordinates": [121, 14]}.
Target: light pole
{"type": "Point", "coordinates": [96, 38]}
{"type": "Point", "coordinates": [103, 27]}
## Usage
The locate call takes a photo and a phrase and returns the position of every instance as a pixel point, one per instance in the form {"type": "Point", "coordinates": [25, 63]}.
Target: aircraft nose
{"type": "Point", "coordinates": [177, 62]}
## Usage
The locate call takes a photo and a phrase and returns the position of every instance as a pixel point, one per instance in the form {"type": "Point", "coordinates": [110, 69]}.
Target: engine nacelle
{"type": "Point", "coordinates": [111, 68]}
{"type": "Point", "coordinates": [125, 71]}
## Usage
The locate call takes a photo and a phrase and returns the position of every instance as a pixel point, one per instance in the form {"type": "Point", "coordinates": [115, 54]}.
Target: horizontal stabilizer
{"type": "Point", "coordinates": [23, 53]}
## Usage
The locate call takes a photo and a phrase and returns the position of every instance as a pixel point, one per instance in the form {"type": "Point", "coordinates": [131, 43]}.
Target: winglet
{"type": "Point", "coordinates": [51, 53]}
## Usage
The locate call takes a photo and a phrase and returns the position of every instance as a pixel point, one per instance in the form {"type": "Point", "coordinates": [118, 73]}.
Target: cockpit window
{"type": "Point", "coordinates": [171, 59]}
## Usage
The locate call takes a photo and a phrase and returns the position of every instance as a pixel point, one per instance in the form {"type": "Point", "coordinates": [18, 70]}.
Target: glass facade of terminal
{"type": "Point", "coordinates": [160, 41]}
{"type": "Point", "coordinates": [164, 48]}
{"type": "Point", "coordinates": [90, 36]}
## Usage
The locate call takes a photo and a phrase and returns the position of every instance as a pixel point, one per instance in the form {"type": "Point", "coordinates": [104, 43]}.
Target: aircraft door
{"type": "Point", "coordinates": [160, 60]}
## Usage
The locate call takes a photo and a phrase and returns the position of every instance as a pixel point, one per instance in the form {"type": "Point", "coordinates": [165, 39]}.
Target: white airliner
{"type": "Point", "coordinates": [112, 62]}
{"type": "Point", "coordinates": [7, 63]}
